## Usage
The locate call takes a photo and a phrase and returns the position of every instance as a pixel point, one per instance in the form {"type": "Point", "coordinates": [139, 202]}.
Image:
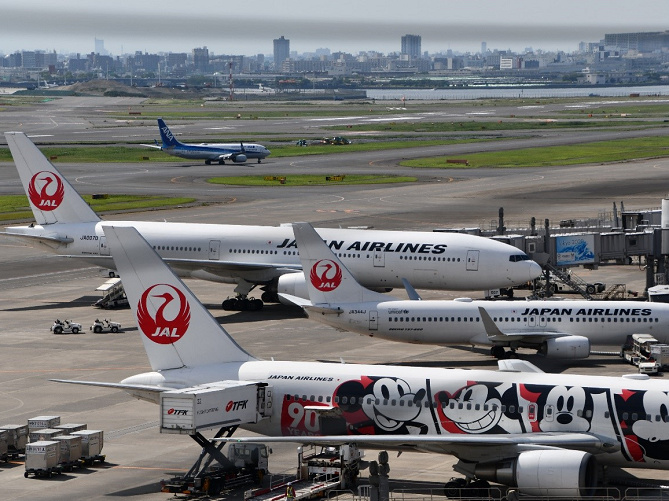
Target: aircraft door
{"type": "Point", "coordinates": [548, 413]}
{"type": "Point", "coordinates": [373, 320]}
{"type": "Point", "coordinates": [472, 260]}
{"type": "Point", "coordinates": [104, 248]}
{"type": "Point", "coordinates": [379, 259]}
{"type": "Point", "coordinates": [214, 250]}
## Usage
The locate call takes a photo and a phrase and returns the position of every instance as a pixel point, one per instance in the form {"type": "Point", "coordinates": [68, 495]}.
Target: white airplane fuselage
{"type": "Point", "coordinates": [606, 323]}
{"type": "Point", "coordinates": [260, 254]}
{"type": "Point", "coordinates": [630, 418]}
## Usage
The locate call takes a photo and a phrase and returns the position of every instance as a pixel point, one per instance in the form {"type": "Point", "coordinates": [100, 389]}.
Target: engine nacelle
{"type": "Point", "coordinates": [241, 158]}
{"type": "Point", "coordinates": [293, 284]}
{"type": "Point", "coordinates": [561, 473]}
{"type": "Point", "coordinates": [566, 347]}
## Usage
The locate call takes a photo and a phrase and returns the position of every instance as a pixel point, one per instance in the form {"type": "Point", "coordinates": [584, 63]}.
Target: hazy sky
{"type": "Point", "coordinates": [248, 27]}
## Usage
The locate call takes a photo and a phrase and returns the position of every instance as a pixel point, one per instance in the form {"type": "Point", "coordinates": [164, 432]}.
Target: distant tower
{"type": "Point", "coordinates": [411, 46]}
{"type": "Point", "coordinates": [201, 59]}
{"type": "Point", "coordinates": [281, 52]}
{"type": "Point", "coordinates": [484, 48]}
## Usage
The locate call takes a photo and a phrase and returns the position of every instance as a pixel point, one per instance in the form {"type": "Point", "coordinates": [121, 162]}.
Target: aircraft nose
{"type": "Point", "coordinates": [535, 270]}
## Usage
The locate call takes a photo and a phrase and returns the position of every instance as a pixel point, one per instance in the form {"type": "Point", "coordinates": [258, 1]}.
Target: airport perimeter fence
{"type": "Point", "coordinates": [500, 494]}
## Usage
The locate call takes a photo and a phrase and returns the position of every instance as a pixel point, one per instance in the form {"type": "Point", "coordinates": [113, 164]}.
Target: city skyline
{"type": "Point", "coordinates": [128, 27]}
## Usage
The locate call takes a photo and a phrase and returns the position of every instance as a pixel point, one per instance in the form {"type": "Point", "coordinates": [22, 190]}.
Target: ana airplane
{"type": "Point", "coordinates": [210, 152]}
{"type": "Point", "coordinates": [557, 329]}
{"type": "Point", "coordinates": [251, 256]}
{"type": "Point", "coordinates": [546, 434]}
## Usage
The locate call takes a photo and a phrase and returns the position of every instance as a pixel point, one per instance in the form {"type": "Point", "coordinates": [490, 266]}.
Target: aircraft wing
{"type": "Point", "coordinates": [156, 146]}
{"type": "Point", "coordinates": [222, 268]}
{"type": "Point", "coordinates": [463, 445]}
{"type": "Point", "coordinates": [310, 307]}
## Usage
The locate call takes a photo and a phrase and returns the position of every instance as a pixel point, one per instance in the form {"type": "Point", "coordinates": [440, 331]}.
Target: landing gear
{"type": "Point", "coordinates": [459, 488]}
{"type": "Point", "coordinates": [207, 161]}
{"type": "Point", "coordinates": [500, 353]}
{"type": "Point", "coordinates": [242, 303]}
{"type": "Point", "coordinates": [221, 162]}
{"type": "Point", "coordinates": [258, 160]}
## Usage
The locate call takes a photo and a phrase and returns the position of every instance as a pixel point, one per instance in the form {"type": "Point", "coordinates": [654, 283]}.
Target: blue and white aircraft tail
{"type": "Point", "coordinates": [210, 152]}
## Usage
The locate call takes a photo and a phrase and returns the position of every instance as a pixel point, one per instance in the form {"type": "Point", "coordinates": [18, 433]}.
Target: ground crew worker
{"type": "Point", "coordinates": [290, 492]}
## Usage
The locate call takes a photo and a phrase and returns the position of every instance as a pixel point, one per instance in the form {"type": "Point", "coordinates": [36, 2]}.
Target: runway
{"type": "Point", "coordinates": [37, 288]}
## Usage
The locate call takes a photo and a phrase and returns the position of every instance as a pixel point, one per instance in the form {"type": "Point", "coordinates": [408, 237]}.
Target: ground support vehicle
{"type": "Point", "coordinates": [17, 438]}
{"type": "Point", "coordinates": [92, 442]}
{"type": "Point", "coordinates": [43, 458]}
{"type": "Point", "coordinates": [644, 351]}
{"type": "Point", "coordinates": [105, 325]}
{"type": "Point", "coordinates": [244, 463]}
{"type": "Point", "coordinates": [65, 327]}
{"type": "Point", "coordinates": [321, 469]}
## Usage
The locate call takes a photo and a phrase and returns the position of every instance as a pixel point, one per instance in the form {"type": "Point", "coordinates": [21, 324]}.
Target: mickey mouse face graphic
{"type": "Point", "coordinates": [656, 405]}
{"type": "Point", "coordinates": [398, 405]}
{"type": "Point", "coordinates": [567, 406]}
{"type": "Point", "coordinates": [472, 409]}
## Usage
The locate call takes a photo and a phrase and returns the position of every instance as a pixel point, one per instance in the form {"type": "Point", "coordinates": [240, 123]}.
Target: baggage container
{"type": "Point", "coordinates": [4, 443]}
{"type": "Point", "coordinates": [70, 448]}
{"type": "Point", "coordinates": [91, 442]}
{"type": "Point", "coordinates": [42, 457]}
{"type": "Point", "coordinates": [91, 445]}
{"type": "Point", "coordinates": [207, 406]}
{"type": "Point", "coordinates": [17, 437]}
{"type": "Point", "coordinates": [41, 422]}
{"type": "Point", "coordinates": [68, 428]}
{"type": "Point", "coordinates": [44, 434]}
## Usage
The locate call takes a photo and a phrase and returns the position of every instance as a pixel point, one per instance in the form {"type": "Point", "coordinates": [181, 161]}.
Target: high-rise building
{"type": "Point", "coordinates": [281, 52]}
{"type": "Point", "coordinates": [100, 47]}
{"type": "Point", "coordinates": [201, 58]}
{"type": "Point", "coordinates": [411, 45]}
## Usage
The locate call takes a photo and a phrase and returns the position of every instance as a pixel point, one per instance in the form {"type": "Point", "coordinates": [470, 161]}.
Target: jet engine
{"type": "Point", "coordinates": [293, 284]}
{"type": "Point", "coordinates": [561, 473]}
{"type": "Point", "coordinates": [241, 158]}
{"type": "Point", "coordinates": [566, 347]}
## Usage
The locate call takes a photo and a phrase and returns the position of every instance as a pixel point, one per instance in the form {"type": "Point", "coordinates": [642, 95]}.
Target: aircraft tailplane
{"type": "Point", "coordinates": [52, 198]}
{"type": "Point", "coordinates": [166, 135]}
{"type": "Point", "coordinates": [328, 280]}
{"type": "Point", "coordinates": [176, 329]}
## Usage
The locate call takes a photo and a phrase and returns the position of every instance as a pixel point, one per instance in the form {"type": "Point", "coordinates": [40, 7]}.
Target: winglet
{"type": "Point", "coordinates": [176, 329]}
{"type": "Point", "coordinates": [489, 324]}
{"type": "Point", "coordinates": [411, 292]}
{"type": "Point", "coordinates": [52, 198]}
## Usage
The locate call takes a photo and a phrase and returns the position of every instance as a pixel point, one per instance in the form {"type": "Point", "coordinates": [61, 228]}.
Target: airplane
{"type": "Point", "coordinates": [542, 434]}
{"type": "Point", "coordinates": [210, 152]}
{"type": "Point", "coordinates": [264, 256]}
{"type": "Point", "coordinates": [557, 329]}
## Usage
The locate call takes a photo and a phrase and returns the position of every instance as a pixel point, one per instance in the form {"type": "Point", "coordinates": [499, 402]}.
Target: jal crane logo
{"type": "Point", "coordinates": [170, 320]}
{"type": "Point", "coordinates": [325, 275]}
{"type": "Point", "coordinates": [46, 190]}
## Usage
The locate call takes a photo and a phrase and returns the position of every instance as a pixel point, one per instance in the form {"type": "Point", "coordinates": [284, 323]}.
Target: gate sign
{"type": "Point", "coordinates": [575, 249]}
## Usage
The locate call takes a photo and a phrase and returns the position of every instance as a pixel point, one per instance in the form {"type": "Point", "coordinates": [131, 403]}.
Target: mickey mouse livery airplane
{"type": "Point", "coordinates": [265, 256]}
{"type": "Point", "coordinates": [557, 329]}
{"type": "Point", "coordinates": [210, 152]}
{"type": "Point", "coordinates": [546, 434]}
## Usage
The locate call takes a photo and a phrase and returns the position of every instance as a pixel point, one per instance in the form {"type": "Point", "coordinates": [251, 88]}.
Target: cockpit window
{"type": "Point", "coordinates": [514, 258]}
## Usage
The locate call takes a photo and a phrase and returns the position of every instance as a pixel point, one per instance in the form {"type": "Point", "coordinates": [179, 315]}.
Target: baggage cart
{"type": "Point", "coordinates": [42, 458]}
